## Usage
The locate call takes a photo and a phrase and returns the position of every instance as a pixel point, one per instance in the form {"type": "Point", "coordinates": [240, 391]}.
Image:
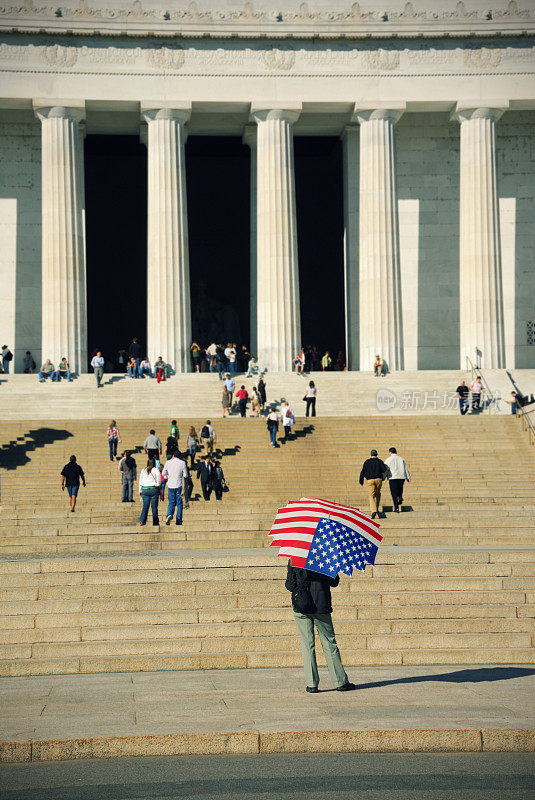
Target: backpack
{"type": "Point", "coordinates": [301, 597]}
{"type": "Point", "coordinates": [205, 433]}
{"type": "Point", "coordinates": [8, 356]}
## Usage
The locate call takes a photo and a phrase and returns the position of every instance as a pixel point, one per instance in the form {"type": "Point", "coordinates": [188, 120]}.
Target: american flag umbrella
{"type": "Point", "coordinates": [325, 537]}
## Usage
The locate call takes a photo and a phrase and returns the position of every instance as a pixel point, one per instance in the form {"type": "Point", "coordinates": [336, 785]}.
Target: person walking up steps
{"type": "Point", "coordinates": [208, 437]}
{"type": "Point", "coordinates": [243, 395]}
{"type": "Point", "coordinates": [176, 471]}
{"type": "Point", "coordinates": [113, 439]}
{"type": "Point", "coordinates": [97, 362]}
{"type": "Point", "coordinates": [153, 446]}
{"type": "Point", "coordinates": [312, 607]}
{"type": "Point", "coordinates": [71, 475]}
{"type": "Point", "coordinates": [272, 423]}
{"type": "Point", "coordinates": [373, 472]}
{"type": "Point", "coordinates": [397, 475]}
{"type": "Point", "coordinates": [219, 482]}
{"type": "Point", "coordinates": [310, 398]}
{"type": "Point", "coordinates": [192, 443]}
{"type": "Point", "coordinates": [206, 473]}
{"type": "Point", "coordinates": [288, 419]}
{"type": "Point", "coordinates": [149, 491]}
{"type": "Point", "coordinates": [128, 469]}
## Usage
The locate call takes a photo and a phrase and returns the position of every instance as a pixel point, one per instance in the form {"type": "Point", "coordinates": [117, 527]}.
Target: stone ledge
{"type": "Point", "coordinates": [252, 742]}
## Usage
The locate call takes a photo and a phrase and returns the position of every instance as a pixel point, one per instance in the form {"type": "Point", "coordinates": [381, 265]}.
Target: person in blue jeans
{"type": "Point", "coordinates": [175, 471]}
{"type": "Point", "coordinates": [272, 423]}
{"type": "Point", "coordinates": [149, 490]}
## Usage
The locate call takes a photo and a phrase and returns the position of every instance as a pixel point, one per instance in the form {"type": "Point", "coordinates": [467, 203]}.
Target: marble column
{"type": "Point", "coordinates": [480, 268]}
{"type": "Point", "coordinates": [278, 310]}
{"type": "Point", "coordinates": [64, 308]}
{"type": "Point", "coordinates": [249, 138]}
{"type": "Point", "coordinates": [168, 281]}
{"type": "Point", "coordinates": [350, 143]}
{"type": "Point", "coordinates": [380, 313]}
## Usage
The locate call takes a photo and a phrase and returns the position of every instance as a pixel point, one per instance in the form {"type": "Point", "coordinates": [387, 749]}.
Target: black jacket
{"type": "Point", "coordinates": [319, 586]}
{"type": "Point", "coordinates": [206, 476]}
{"type": "Point", "coordinates": [134, 351]}
{"type": "Point", "coordinates": [372, 468]}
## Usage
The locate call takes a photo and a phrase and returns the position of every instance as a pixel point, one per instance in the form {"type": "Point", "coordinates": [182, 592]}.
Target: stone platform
{"type": "Point", "coordinates": [414, 393]}
{"type": "Point", "coordinates": [394, 709]}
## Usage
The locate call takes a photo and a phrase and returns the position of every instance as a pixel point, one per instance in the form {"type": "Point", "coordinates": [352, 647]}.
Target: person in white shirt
{"type": "Point", "coordinates": [150, 481]}
{"type": "Point", "coordinates": [145, 368]}
{"type": "Point", "coordinates": [175, 470]}
{"type": "Point", "coordinates": [288, 419]}
{"type": "Point", "coordinates": [476, 389]}
{"type": "Point", "coordinates": [97, 362]}
{"type": "Point", "coordinates": [397, 475]}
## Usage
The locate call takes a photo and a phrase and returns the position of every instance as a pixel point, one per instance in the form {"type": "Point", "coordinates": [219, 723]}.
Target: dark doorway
{"type": "Point", "coordinates": [320, 233]}
{"type": "Point", "coordinates": [218, 181]}
{"type": "Point", "coordinates": [116, 231]}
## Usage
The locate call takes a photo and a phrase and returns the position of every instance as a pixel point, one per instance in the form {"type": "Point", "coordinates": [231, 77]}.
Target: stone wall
{"type": "Point", "coordinates": [428, 196]}
{"type": "Point", "coordinates": [516, 186]}
{"type": "Point", "coordinates": [20, 235]}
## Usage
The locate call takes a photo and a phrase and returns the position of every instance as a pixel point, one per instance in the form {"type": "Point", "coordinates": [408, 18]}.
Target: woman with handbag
{"type": "Point", "coordinates": [219, 483]}
{"type": "Point", "coordinates": [312, 606]}
{"type": "Point", "coordinates": [310, 398]}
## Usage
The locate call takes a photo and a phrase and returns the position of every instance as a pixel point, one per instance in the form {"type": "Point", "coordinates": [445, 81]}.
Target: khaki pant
{"type": "Point", "coordinates": [374, 493]}
{"type": "Point", "coordinates": [208, 445]}
{"type": "Point", "coordinates": [324, 625]}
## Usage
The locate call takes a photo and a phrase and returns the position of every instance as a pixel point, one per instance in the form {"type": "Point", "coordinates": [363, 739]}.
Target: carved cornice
{"type": "Point", "coordinates": [140, 18]}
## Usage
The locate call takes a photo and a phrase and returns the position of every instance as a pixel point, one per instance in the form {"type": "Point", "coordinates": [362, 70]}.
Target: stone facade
{"type": "Point", "coordinates": [438, 128]}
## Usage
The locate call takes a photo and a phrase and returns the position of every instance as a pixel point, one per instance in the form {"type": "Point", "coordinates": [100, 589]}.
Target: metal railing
{"type": "Point", "coordinates": [491, 400]}
{"type": "Point", "coordinates": [527, 422]}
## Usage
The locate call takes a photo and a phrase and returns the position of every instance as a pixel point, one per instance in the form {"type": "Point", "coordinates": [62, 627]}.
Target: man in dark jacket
{"type": "Point", "coordinates": [206, 473]}
{"type": "Point", "coordinates": [312, 605]}
{"type": "Point", "coordinates": [373, 472]}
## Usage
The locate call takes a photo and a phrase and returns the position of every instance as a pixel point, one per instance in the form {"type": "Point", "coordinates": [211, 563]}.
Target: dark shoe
{"type": "Point", "coordinates": [396, 511]}
{"type": "Point", "coordinates": [72, 510]}
{"type": "Point", "coordinates": [312, 689]}
{"type": "Point", "coordinates": [179, 522]}
{"type": "Point", "coordinates": [374, 514]}
{"type": "Point", "coordinates": [169, 519]}
{"type": "Point", "coordinates": [347, 687]}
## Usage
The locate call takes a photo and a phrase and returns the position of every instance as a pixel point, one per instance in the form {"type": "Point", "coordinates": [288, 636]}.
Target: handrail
{"type": "Point", "coordinates": [493, 398]}
{"type": "Point", "coordinates": [527, 424]}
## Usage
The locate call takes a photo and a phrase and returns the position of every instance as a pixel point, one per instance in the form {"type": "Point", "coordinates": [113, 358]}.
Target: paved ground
{"type": "Point", "coordinates": [247, 711]}
{"type": "Point", "coordinates": [379, 776]}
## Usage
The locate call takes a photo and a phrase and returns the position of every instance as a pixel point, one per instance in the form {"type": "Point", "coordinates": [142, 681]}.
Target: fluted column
{"type": "Point", "coordinates": [249, 138]}
{"type": "Point", "coordinates": [480, 268]}
{"type": "Point", "coordinates": [64, 308]}
{"type": "Point", "coordinates": [168, 283]}
{"type": "Point", "coordinates": [380, 313]}
{"type": "Point", "coordinates": [278, 310]}
{"type": "Point", "coordinates": [350, 142]}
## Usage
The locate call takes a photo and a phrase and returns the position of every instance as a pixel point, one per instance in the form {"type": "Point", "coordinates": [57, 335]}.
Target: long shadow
{"type": "Point", "coordinates": [14, 453]}
{"type": "Point", "coordinates": [114, 379]}
{"type": "Point", "coordinates": [477, 675]}
{"type": "Point", "coordinates": [306, 430]}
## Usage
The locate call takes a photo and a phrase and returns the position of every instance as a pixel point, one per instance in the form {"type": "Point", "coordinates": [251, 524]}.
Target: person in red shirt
{"type": "Point", "coordinates": [242, 396]}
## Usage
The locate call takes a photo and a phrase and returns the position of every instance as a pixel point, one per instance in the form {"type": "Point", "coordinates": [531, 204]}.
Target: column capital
{"type": "Point", "coordinates": [385, 111]}
{"type": "Point", "coordinates": [249, 136]}
{"type": "Point", "coordinates": [59, 109]}
{"type": "Point", "coordinates": [288, 111]}
{"type": "Point", "coordinates": [181, 112]}
{"type": "Point", "coordinates": [489, 109]}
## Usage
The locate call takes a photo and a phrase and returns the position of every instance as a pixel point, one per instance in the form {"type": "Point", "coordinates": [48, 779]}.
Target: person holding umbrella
{"type": "Point", "coordinates": [312, 607]}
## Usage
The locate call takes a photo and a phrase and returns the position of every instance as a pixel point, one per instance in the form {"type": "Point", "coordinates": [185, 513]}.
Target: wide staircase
{"type": "Point", "coordinates": [454, 580]}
